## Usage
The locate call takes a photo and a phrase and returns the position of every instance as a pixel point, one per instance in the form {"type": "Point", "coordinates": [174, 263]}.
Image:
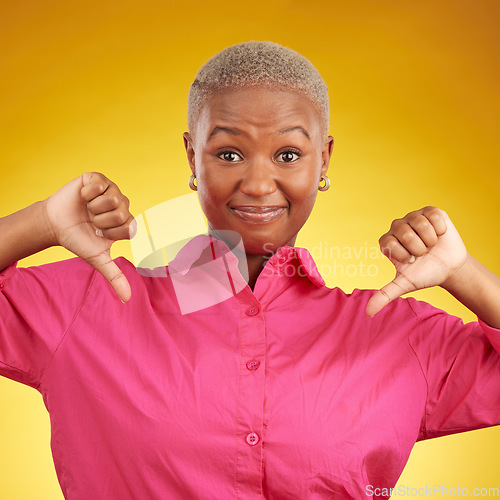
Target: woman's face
{"type": "Point", "coordinates": [258, 156]}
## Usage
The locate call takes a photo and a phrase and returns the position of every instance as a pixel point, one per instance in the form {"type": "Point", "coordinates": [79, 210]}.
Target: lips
{"type": "Point", "coordinates": [258, 214]}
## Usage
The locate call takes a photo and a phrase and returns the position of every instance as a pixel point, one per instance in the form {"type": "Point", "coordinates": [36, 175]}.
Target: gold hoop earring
{"type": "Point", "coordinates": [326, 185]}
{"type": "Point", "coordinates": [192, 185]}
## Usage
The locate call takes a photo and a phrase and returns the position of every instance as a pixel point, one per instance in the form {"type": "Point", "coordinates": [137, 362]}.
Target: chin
{"type": "Point", "coordinates": [263, 247]}
{"type": "Point", "coordinates": [261, 240]}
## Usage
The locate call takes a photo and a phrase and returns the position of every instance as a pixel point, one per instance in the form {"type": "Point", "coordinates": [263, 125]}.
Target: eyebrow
{"type": "Point", "coordinates": [233, 131]}
{"type": "Point", "coordinates": [218, 130]}
{"type": "Point", "coordinates": [291, 129]}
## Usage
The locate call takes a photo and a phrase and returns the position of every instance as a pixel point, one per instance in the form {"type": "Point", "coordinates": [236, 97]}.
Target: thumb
{"type": "Point", "coordinates": [112, 273]}
{"type": "Point", "coordinates": [397, 287]}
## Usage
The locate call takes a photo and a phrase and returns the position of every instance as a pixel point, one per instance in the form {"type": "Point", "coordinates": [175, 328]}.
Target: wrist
{"type": "Point", "coordinates": [45, 230]}
{"type": "Point", "coordinates": [461, 277]}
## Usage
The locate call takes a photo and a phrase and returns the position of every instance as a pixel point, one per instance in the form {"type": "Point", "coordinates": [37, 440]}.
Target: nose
{"type": "Point", "coordinates": [258, 179]}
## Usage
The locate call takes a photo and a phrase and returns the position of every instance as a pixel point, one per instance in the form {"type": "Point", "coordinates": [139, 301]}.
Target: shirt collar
{"type": "Point", "coordinates": [297, 260]}
{"type": "Point", "coordinates": [285, 260]}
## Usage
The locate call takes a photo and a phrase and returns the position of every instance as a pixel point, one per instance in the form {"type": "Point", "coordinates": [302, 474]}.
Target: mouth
{"type": "Point", "coordinates": [258, 214]}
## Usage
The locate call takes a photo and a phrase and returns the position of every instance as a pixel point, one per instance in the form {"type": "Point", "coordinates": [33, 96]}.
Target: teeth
{"type": "Point", "coordinates": [258, 214]}
{"type": "Point", "coordinates": [257, 210]}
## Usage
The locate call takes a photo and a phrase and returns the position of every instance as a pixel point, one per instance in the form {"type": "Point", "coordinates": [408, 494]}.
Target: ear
{"type": "Point", "coordinates": [189, 145]}
{"type": "Point", "coordinates": [326, 154]}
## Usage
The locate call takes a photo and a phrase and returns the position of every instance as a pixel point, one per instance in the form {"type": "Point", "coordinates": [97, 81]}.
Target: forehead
{"type": "Point", "coordinates": [258, 108]}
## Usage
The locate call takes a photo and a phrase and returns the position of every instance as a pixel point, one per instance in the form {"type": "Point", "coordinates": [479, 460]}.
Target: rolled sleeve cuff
{"type": "Point", "coordinates": [493, 334]}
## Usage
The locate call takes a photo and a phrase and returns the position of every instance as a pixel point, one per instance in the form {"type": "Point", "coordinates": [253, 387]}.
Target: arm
{"type": "Point", "coordinates": [24, 233]}
{"type": "Point", "coordinates": [426, 251]}
{"type": "Point", "coordinates": [477, 288]}
{"type": "Point", "coordinates": [85, 216]}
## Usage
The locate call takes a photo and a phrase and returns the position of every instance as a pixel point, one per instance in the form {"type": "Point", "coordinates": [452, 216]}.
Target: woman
{"type": "Point", "coordinates": [286, 389]}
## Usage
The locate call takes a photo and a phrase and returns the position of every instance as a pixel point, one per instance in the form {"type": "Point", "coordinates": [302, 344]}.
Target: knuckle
{"type": "Point", "coordinates": [101, 177]}
{"type": "Point", "coordinates": [391, 244]}
{"type": "Point", "coordinates": [421, 225]}
{"type": "Point", "coordinates": [114, 200]}
{"type": "Point", "coordinates": [407, 236]}
{"type": "Point", "coordinates": [116, 276]}
{"type": "Point", "coordinates": [415, 218]}
{"type": "Point", "coordinates": [121, 217]}
{"type": "Point", "coordinates": [396, 223]}
{"type": "Point", "coordinates": [124, 204]}
{"type": "Point", "coordinates": [431, 211]}
{"type": "Point", "coordinates": [389, 247]}
{"type": "Point", "coordinates": [96, 259]}
{"type": "Point", "coordinates": [99, 186]}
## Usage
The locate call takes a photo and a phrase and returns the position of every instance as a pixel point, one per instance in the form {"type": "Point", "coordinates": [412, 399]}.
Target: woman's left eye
{"type": "Point", "coordinates": [287, 156]}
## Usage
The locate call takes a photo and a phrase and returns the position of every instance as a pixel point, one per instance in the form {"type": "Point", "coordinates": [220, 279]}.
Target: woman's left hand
{"type": "Point", "coordinates": [426, 250]}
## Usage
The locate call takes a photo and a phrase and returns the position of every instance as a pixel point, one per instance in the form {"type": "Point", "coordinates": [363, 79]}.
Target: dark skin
{"type": "Point", "coordinates": [258, 156]}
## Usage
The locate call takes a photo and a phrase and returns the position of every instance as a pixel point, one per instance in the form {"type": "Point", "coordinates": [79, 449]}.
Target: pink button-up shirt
{"type": "Point", "coordinates": [289, 391]}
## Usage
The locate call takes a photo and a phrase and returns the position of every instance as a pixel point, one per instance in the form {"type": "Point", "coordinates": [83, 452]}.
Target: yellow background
{"type": "Point", "coordinates": [102, 85]}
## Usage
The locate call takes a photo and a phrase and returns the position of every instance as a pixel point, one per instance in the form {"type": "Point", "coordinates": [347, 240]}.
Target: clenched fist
{"type": "Point", "coordinates": [426, 251]}
{"type": "Point", "coordinates": [86, 216]}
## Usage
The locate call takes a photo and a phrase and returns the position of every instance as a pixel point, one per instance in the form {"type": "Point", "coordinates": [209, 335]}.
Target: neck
{"type": "Point", "coordinates": [253, 262]}
{"type": "Point", "coordinates": [255, 265]}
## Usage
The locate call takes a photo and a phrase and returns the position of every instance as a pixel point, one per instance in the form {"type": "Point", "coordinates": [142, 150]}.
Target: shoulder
{"type": "Point", "coordinates": [69, 269]}
{"type": "Point", "coordinates": [403, 311]}
{"type": "Point", "coordinates": [65, 275]}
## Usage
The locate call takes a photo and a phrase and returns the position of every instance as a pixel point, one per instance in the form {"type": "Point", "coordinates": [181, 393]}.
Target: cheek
{"type": "Point", "coordinates": [211, 188]}
{"type": "Point", "coordinates": [302, 187]}
{"type": "Point", "coordinates": [213, 200]}
{"type": "Point", "coordinates": [215, 181]}
{"type": "Point", "coordinates": [304, 209]}
{"type": "Point", "coordinates": [208, 201]}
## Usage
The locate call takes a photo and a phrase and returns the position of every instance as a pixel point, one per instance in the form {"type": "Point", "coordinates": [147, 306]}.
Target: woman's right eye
{"type": "Point", "coordinates": [229, 156]}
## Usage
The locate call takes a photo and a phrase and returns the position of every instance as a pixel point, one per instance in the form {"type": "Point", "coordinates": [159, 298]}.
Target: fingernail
{"type": "Point", "coordinates": [412, 259]}
{"type": "Point", "coordinates": [132, 229]}
{"type": "Point", "coordinates": [98, 232]}
{"type": "Point", "coordinates": [123, 302]}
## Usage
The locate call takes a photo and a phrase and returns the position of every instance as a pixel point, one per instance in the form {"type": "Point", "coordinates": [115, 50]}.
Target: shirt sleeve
{"type": "Point", "coordinates": [37, 306]}
{"type": "Point", "coordinates": [461, 365]}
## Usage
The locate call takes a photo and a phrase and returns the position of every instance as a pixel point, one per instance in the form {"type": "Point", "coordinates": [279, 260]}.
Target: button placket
{"type": "Point", "coordinates": [251, 398]}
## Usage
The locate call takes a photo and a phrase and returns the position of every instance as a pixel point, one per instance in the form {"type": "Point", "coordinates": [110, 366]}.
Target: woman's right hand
{"type": "Point", "coordinates": [86, 216]}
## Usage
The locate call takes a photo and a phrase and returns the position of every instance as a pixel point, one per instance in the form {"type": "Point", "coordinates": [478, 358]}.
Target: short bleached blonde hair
{"type": "Point", "coordinates": [258, 64]}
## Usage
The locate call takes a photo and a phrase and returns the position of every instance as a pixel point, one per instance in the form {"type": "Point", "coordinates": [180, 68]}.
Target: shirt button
{"type": "Point", "coordinates": [253, 365]}
{"type": "Point", "coordinates": [253, 311]}
{"type": "Point", "coordinates": [252, 439]}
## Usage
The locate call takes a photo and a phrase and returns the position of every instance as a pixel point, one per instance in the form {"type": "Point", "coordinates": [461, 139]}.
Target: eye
{"type": "Point", "coordinates": [230, 156]}
{"type": "Point", "coordinates": [288, 156]}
